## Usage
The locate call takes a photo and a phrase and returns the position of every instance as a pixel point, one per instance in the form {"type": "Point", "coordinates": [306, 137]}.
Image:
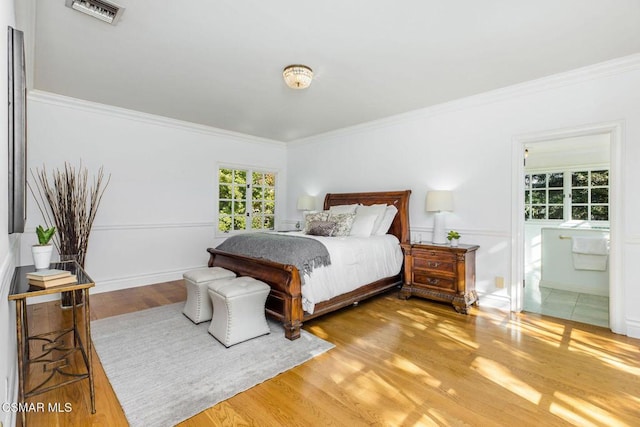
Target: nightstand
{"type": "Point", "coordinates": [441, 273]}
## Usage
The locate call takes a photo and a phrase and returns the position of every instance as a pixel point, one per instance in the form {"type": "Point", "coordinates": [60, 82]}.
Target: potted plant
{"type": "Point", "coordinates": [42, 251]}
{"type": "Point", "coordinates": [453, 237]}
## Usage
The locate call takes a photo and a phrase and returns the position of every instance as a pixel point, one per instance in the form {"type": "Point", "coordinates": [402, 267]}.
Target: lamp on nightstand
{"type": "Point", "coordinates": [439, 202]}
{"type": "Point", "coordinates": [305, 203]}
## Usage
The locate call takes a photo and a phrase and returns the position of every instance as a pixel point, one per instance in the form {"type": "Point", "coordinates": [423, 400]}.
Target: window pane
{"type": "Point", "coordinates": [527, 181]}
{"type": "Point", "coordinates": [241, 192]}
{"type": "Point", "coordinates": [579, 212]}
{"type": "Point", "coordinates": [256, 222]}
{"type": "Point", "coordinates": [600, 213]}
{"type": "Point", "coordinates": [239, 207]}
{"type": "Point", "coordinates": [527, 212]}
{"type": "Point", "coordinates": [580, 196]}
{"type": "Point", "coordinates": [556, 196]}
{"type": "Point", "coordinates": [269, 222]}
{"type": "Point", "coordinates": [224, 223]}
{"type": "Point", "coordinates": [527, 197]}
{"type": "Point", "coordinates": [224, 191]}
{"type": "Point", "coordinates": [256, 193]}
{"type": "Point", "coordinates": [240, 177]}
{"type": "Point", "coordinates": [224, 207]}
{"type": "Point", "coordinates": [556, 180]}
{"type": "Point", "coordinates": [539, 180]}
{"type": "Point", "coordinates": [269, 193]}
{"type": "Point", "coordinates": [600, 177]}
{"type": "Point", "coordinates": [239, 223]}
{"type": "Point", "coordinates": [257, 207]}
{"type": "Point", "coordinates": [556, 212]}
{"type": "Point", "coordinates": [225, 175]}
{"type": "Point", "coordinates": [538, 212]}
{"type": "Point", "coordinates": [599, 195]}
{"type": "Point", "coordinates": [257, 178]}
{"type": "Point", "coordinates": [580, 179]}
{"type": "Point", "coordinates": [539, 196]}
{"type": "Point", "coordinates": [270, 179]}
{"type": "Point", "coordinates": [270, 208]}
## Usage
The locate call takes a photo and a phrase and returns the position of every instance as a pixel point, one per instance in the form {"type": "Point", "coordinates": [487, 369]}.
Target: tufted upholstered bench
{"type": "Point", "coordinates": [198, 307]}
{"type": "Point", "coordinates": [238, 310]}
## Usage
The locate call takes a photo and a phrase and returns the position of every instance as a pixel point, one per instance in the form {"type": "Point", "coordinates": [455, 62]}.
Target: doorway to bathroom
{"type": "Point", "coordinates": [566, 228]}
{"type": "Point", "coordinates": [565, 216]}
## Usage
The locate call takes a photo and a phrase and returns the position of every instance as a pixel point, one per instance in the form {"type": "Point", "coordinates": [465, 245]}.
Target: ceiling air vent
{"type": "Point", "coordinates": [99, 9]}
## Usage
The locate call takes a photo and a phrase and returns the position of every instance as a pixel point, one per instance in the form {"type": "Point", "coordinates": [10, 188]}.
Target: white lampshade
{"type": "Point", "coordinates": [438, 201]}
{"type": "Point", "coordinates": [306, 203]}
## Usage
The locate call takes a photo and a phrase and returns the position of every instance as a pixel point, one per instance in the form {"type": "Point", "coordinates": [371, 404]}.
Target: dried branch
{"type": "Point", "coordinates": [68, 197]}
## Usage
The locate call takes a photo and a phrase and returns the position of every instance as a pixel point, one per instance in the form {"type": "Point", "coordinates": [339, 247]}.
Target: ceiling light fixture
{"type": "Point", "coordinates": [99, 9]}
{"type": "Point", "coordinates": [297, 76]}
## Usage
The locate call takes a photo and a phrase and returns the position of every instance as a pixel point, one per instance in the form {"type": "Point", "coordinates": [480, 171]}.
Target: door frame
{"type": "Point", "coordinates": [615, 130]}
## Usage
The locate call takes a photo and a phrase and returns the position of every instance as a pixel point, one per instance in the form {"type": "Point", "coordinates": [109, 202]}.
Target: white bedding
{"type": "Point", "coordinates": [355, 261]}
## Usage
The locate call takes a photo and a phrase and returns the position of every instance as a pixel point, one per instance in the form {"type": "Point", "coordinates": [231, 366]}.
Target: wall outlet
{"type": "Point", "coordinates": [499, 282]}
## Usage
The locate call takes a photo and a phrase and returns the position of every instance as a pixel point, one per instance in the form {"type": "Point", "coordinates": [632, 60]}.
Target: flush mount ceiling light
{"type": "Point", "coordinates": [99, 9]}
{"type": "Point", "coordinates": [297, 76]}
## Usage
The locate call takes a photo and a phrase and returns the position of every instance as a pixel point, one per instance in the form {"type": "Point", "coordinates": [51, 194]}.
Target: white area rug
{"type": "Point", "coordinates": [164, 369]}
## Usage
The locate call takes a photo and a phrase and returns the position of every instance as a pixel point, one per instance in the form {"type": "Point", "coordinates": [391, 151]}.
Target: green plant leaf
{"type": "Point", "coordinates": [44, 236]}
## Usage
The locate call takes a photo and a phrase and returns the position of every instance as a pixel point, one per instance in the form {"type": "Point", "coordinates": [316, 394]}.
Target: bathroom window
{"type": "Point", "coordinates": [246, 199]}
{"type": "Point", "coordinates": [581, 195]}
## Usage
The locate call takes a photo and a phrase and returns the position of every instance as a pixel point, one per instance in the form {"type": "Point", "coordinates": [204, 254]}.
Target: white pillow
{"type": "Point", "coordinates": [377, 210]}
{"type": "Point", "coordinates": [342, 209]}
{"type": "Point", "coordinates": [363, 225]}
{"type": "Point", "coordinates": [387, 220]}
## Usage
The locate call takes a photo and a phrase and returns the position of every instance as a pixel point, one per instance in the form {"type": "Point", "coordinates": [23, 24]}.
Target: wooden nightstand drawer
{"type": "Point", "coordinates": [445, 263]}
{"type": "Point", "coordinates": [425, 279]}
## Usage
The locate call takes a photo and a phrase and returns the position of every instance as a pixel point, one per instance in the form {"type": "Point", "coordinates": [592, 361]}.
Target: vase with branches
{"type": "Point", "coordinates": [69, 201]}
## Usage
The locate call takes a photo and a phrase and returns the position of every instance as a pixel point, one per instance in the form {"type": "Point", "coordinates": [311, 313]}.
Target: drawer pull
{"type": "Point", "coordinates": [433, 264]}
{"type": "Point", "coordinates": [433, 281]}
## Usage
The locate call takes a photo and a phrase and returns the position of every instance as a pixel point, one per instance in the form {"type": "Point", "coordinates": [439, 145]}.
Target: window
{"type": "Point", "coordinates": [246, 200]}
{"type": "Point", "coordinates": [567, 195]}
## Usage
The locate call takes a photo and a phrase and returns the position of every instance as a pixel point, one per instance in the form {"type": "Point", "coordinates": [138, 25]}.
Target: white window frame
{"type": "Point", "coordinates": [567, 191]}
{"type": "Point", "coordinates": [249, 213]}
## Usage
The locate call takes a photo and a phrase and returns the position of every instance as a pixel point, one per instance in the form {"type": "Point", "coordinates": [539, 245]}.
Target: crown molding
{"type": "Point", "coordinates": [152, 119]}
{"type": "Point", "coordinates": [568, 78]}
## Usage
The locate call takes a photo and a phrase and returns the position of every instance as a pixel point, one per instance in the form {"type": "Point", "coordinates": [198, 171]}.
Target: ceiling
{"type": "Point", "coordinates": [219, 63]}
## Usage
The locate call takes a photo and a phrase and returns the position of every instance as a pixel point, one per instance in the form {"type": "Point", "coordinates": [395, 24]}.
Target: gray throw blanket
{"type": "Point", "coordinates": [305, 254]}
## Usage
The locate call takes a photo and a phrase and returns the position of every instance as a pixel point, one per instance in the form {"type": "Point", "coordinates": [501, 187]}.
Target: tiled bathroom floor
{"type": "Point", "coordinates": [585, 308]}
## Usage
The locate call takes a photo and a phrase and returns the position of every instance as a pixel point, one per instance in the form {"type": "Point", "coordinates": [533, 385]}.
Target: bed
{"type": "Point", "coordinates": [285, 299]}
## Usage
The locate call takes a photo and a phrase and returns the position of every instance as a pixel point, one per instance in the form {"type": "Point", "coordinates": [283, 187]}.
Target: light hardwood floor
{"type": "Point", "coordinates": [404, 363]}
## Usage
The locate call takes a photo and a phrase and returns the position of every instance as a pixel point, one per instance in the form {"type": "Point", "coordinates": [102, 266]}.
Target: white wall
{"type": "Point", "coordinates": [466, 146]}
{"type": "Point", "coordinates": [8, 244]}
{"type": "Point", "coordinates": [156, 219]}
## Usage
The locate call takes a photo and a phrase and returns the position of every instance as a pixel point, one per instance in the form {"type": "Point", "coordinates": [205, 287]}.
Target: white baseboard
{"type": "Point", "coordinates": [120, 283]}
{"type": "Point", "coordinates": [574, 287]}
{"type": "Point", "coordinates": [502, 302]}
{"type": "Point", "coordinates": [633, 328]}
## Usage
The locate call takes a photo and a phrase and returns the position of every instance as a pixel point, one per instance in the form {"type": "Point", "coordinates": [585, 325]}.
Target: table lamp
{"type": "Point", "coordinates": [305, 203]}
{"type": "Point", "coordinates": [439, 202]}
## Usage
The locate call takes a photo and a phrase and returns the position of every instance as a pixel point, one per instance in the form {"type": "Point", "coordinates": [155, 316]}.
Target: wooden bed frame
{"type": "Point", "coordinates": [285, 299]}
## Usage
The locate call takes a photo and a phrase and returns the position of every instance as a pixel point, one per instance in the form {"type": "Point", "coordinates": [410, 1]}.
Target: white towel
{"type": "Point", "coordinates": [590, 245]}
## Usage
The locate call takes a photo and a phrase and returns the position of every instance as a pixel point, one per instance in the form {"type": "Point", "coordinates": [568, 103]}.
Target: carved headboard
{"type": "Point", "coordinates": [400, 199]}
